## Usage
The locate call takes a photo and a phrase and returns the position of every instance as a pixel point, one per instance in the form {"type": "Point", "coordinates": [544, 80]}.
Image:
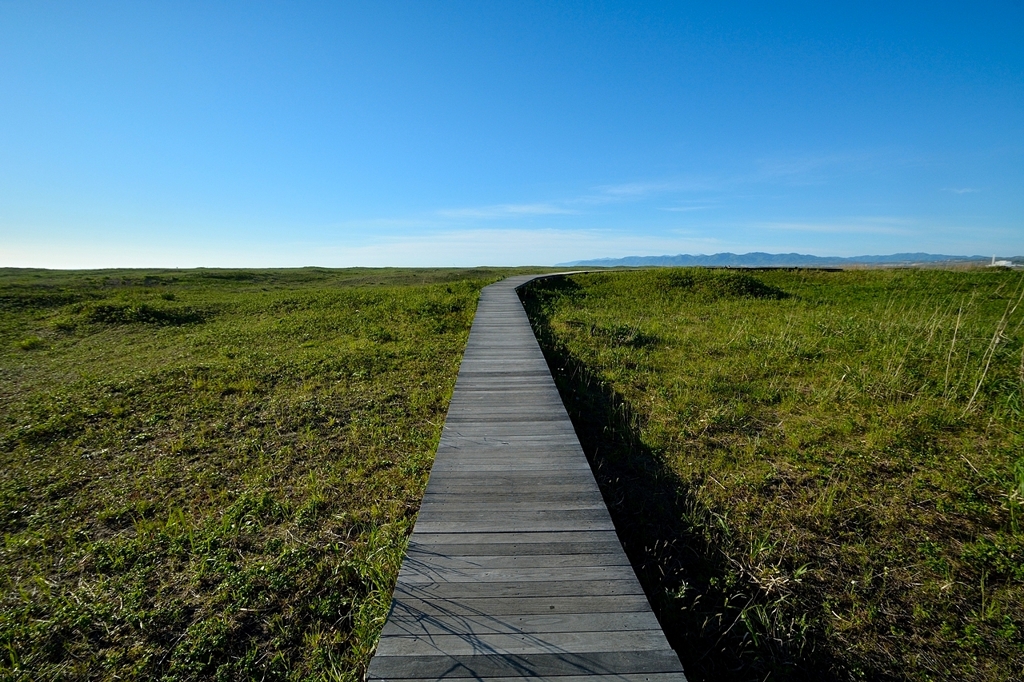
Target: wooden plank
{"type": "Point", "coordinates": [578, 483]}
{"type": "Point", "coordinates": [514, 413]}
{"type": "Point", "coordinates": [446, 474]}
{"type": "Point", "coordinates": [513, 457]}
{"type": "Point", "coordinates": [455, 439]}
{"type": "Point", "coordinates": [421, 625]}
{"type": "Point", "coordinates": [539, 538]}
{"type": "Point", "coordinates": [614, 677]}
{"type": "Point", "coordinates": [404, 606]}
{"type": "Point", "coordinates": [522, 524]}
{"type": "Point", "coordinates": [513, 519]}
{"type": "Point", "coordinates": [521, 643]}
{"type": "Point", "coordinates": [498, 468]}
{"type": "Point", "coordinates": [468, 499]}
{"type": "Point", "coordinates": [508, 449]}
{"type": "Point", "coordinates": [485, 418]}
{"type": "Point", "coordinates": [522, 462]}
{"type": "Point", "coordinates": [483, 373]}
{"type": "Point", "coordinates": [550, 446]}
{"type": "Point", "coordinates": [414, 574]}
{"type": "Point", "coordinates": [523, 431]}
{"type": "Point", "coordinates": [514, 453]}
{"type": "Point", "coordinates": [487, 667]}
{"type": "Point", "coordinates": [509, 499]}
{"type": "Point", "coordinates": [417, 550]}
{"type": "Point", "coordinates": [531, 477]}
{"type": "Point", "coordinates": [526, 427]}
{"type": "Point", "coordinates": [496, 464]}
{"type": "Point", "coordinates": [512, 393]}
{"type": "Point", "coordinates": [454, 512]}
{"type": "Point", "coordinates": [492, 561]}
{"type": "Point", "coordinates": [465, 442]}
{"type": "Point", "coordinates": [549, 494]}
{"type": "Point", "coordinates": [473, 504]}
{"type": "Point", "coordinates": [506, 483]}
{"type": "Point", "coordinates": [540, 491]}
{"type": "Point", "coordinates": [556, 588]}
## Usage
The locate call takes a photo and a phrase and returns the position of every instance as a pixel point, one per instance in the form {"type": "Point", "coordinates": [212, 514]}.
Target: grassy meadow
{"type": "Point", "coordinates": [212, 474]}
{"type": "Point", "coordinates": [818, 475]}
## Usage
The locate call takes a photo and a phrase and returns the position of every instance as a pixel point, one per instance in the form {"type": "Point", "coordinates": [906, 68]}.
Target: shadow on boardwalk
{"type": "Point", "coordinates": [693, 591]}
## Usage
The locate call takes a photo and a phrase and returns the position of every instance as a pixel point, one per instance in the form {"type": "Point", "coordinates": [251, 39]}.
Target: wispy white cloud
{"type": "Point", "coordinates": [789, 167]}
{"type": "Point", "coordinates": [375, 225]}
{"type": "Point", "coordinates": [513, 247]}
{"type": "Point", "coordinates": [584, 203]}
{"type": "Point", "coordinates": [798, 170]}
{"type": "Point", "coordinates": [634, 191]}
{"type": "Point", "coordinates": [961, 190]}
{"type": "Point", "coordinates": [506, 211]}
{"type": "Point", "coordinates": [707, 189]}
{"type": "Point", "coordinates": [687, 209]}
{"type": "Point", "coordinates": [815, 169]}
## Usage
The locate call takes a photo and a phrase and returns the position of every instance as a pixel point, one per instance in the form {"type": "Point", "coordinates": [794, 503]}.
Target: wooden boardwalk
{"type": "Point", "coordinates": [514, 571]}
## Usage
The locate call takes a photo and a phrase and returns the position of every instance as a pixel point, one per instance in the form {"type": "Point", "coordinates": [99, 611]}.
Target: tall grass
{"type": "Point", "coordinates": [818, 474]}
{"type": "Point", "coordinates": [212, 474]}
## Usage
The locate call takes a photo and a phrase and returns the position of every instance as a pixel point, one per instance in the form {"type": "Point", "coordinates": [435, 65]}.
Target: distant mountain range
{"type": "Point", "coordinates": [783, 260]}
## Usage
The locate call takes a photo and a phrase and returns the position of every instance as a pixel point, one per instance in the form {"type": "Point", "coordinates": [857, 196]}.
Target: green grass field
{"type": "Point", "coordinates": [212, 474]}
{"type": "Point", "coordinates": [818, 475]}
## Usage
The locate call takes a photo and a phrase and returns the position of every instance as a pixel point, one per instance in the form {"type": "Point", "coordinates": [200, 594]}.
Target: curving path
{"type": "Point", "coordinates": [514, 570]}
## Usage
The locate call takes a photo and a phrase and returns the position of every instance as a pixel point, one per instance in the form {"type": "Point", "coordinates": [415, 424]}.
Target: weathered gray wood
{"type": "Point", "coordinates": [535, 479]}
{"type": "Point", "coordinates": [629, 677]}
{"type": "Point", "coordinates": [517, 549]}
{"type": "Point", "coordinates": [501, 464]}
{"type": "Point", "coordinates": [510, 490]}
{"type": "Point", "coordinates": [508, 505]}
{"type": "Point", "coordinates": [538, 493]}
{"type": "Point", "coordinates": [504, 520]}
{"type": "Point", "coordinates": [405, 606]}
{"type": "Point", "coordinates": [525, 537]}
{"type": "Point", "coordinates": [519, 523]}
{"type": "Point", "coordinates": [518, 643]}
{"type": "Point", "coordinates": [510, 449]}
{"type": "Point", "coordinates": [490, 667]}
{"type": "Point", "coordinates": [492, 561]}
{"type": "Point", "coordinates": [553, 588]}
{"type": "Point", "coordinates": [425, 626]}
{"type": "Point", "coordinates": [514, 570]}
{"type": "Point", "coordinates": [523, 444]}
{"type": "Point", "coordinates": [511, 413]}
{"type": "Point", "coordinates": [423, 573]}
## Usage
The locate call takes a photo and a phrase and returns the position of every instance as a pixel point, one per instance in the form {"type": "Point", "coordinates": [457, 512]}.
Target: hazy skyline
{"type": "Point", "coordinates": [235, 134]}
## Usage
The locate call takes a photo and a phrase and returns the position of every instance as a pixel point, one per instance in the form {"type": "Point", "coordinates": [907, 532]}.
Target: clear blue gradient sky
{"type": "Point", "coordinates": [463, 133]}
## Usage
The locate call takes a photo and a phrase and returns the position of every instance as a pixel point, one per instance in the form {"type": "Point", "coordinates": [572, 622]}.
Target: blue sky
{"type": "Point", "coordinates": [464, 133]}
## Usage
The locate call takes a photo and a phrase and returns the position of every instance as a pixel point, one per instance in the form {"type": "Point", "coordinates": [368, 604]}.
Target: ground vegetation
{"type": "Point", "coordinates": [818, 475]}
{"type": "Point", "coordinates": [211, 474]}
